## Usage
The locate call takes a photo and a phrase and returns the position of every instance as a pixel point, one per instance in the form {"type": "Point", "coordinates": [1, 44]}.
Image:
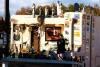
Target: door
{"type": "Point", "coordinates": [35, 38]}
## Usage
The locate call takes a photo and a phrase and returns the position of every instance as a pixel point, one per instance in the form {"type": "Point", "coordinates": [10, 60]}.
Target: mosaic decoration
{"type": "Point", "coordinates": [67, 24]}
{"type": "Point", "coordinates": [67, 16]}
{"type": "Point", "coordinates": [88, 17]}
{"type": "Point", "coordinates": [77, 16]}
{"type": "Point", "coordinates": [87, 28]}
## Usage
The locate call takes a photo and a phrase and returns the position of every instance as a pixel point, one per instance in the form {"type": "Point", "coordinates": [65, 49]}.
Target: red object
{"type": "Point", "coordinates": [24, 51]}
{"type": "Point", "coordinates": [52, 34]}
{"type": "Point", "coordinates": [83, 40]}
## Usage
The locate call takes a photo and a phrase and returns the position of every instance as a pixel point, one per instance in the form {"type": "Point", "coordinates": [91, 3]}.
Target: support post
{"type": "Point", "coordinates": [5, 64]}
{"type": "Point", "coordinates": [7, 20]}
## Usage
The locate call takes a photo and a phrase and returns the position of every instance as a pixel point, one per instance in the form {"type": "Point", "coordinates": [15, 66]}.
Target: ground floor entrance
{"type": "Point", "coordinates": [35, 38]}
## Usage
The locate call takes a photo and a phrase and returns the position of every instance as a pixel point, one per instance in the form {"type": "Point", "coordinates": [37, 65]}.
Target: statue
{"type": "Point", "coordinates": [53, 11]}
{"type": "Point", "coordinates": [33, 12]}
{"type": "Point", "coordinates": [40, 18]}
{"type": "Point", "coordinates": [46, 11]}
{"type": "Point", "coordinates": [40, 11]}
{"type": "Point", "coordinates": [59, 8]}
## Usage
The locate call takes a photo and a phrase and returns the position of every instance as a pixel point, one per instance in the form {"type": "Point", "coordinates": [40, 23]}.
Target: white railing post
{"type": "Point", "coordinates": [4, 64]}
{"type": "Point", "coordinates": [72, 65]}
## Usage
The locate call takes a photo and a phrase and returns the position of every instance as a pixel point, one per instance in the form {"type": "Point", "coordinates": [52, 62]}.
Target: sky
{"type": "Point", "coordinates": [17, 4]}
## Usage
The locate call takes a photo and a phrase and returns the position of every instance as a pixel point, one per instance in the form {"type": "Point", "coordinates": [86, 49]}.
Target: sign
{"type": "Point", "coordinates": [76, 34]}
{"type": "Point", "coordinates": [67, 16]}
{"type": "Point", "coordinates": [77, 28]}
{"type": "Point", "coordinates": [87, 28]}
{"type": "Point", "coordinates": [52, 33]}
{"type": "Point", "coordinates": [67, 24]}
{"type": "Point", "coordinates": [77, 16]}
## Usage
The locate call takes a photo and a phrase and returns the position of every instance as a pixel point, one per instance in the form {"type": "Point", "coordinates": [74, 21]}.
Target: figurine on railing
{"type": "Point", "coordinates": [33, 12]}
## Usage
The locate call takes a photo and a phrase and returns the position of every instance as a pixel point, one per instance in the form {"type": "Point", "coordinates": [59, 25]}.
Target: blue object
{"type": "Point", "coordinates": [76, 7]}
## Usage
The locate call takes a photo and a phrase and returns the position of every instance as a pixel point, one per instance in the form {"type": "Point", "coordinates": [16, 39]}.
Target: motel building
{"type": "Point", "coordinates": [26, 32]}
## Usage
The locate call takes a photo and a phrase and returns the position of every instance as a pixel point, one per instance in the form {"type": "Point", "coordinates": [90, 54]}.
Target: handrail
{"type": "Point", "coordinates": [29, 60]}
{"type": "Point", "coordinates": [37, 60]}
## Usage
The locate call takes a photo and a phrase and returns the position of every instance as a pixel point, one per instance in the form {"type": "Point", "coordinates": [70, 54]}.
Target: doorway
{"type": "Point", "coordinates": [34, 38]}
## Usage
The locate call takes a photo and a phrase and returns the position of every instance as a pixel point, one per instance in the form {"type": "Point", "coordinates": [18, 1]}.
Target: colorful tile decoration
{"type": "Point", "coordinates": [77, 16]}
{"type": "Point", "coordinates": [88, 17]}
{"type": "Point", "coordinates": [87, 28]}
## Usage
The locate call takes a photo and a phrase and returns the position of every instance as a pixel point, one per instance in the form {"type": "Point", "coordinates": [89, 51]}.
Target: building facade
{"type": "Point", "coordinates": [26, 32]}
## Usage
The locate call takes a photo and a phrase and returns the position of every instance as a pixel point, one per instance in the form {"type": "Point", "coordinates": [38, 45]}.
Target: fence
{"type": "Point", "coordinates": [6, 62]}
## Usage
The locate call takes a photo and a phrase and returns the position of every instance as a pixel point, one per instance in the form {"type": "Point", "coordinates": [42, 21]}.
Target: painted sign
{"type": "Point", "coordinates": [67, 24]}
{"type": "Point", "coordinates": [77, 28]}
{"type": "Point", "coordinates": [52, 33]}
{"type": "Point", "coordinates": [76, 34]}
{"type": "Point", "coordinates": [67, 16]}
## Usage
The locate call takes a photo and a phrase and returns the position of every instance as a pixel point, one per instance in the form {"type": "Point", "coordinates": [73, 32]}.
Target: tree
{"type": "Point", "coordinates": [96, 10]}
{"type": "Point", "coordinates": [64, 8]}
{"type": "Point", "coordinates": [81, 7]}
{"type": "Point", "coordinates": [71, 8]}
{"type": "Point", "coordinates": [37, 10]}
{"type": "Point", "coordinates": [88, 9]}
{"type": "Point", "coordinates": [24, 11]}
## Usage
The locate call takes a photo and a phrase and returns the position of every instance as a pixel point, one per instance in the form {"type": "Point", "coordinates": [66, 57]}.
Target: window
{"type": "Point", "coordinates": [52, 33]}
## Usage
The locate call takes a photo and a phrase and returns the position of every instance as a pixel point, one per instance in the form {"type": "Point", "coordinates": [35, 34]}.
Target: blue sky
{"type": "Point", "coordinates": [17, 4]}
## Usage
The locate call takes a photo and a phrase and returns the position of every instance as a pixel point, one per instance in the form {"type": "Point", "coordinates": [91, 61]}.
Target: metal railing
{"type": "Point", "coordinates": [6, 61]}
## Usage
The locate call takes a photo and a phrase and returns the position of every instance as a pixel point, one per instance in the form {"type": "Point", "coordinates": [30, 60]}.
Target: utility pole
{"type": "Point", "coordinates": [7, 21]}
{"type": "Point", "coordinates": [72, 33]}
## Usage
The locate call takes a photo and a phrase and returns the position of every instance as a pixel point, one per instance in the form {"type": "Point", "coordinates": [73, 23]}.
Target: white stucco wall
{"type": "Point", "coordinates": [28, 19]}
{"type": "Point", "coordinates": [77, 28]}
{"type": "Point", "coordinates": [96, 46]}
{"type": "Point", "coordinates": [97, 34]}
